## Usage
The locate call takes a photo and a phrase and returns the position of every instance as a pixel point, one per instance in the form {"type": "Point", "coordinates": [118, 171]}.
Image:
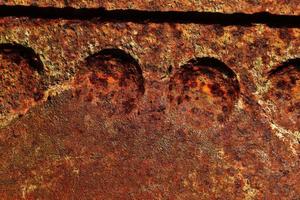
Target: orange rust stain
{"type": "Point", "coordinates": [206, 90]}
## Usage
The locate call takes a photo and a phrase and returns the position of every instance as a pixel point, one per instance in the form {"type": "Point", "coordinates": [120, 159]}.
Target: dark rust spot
{"type": "Point", "coordinates": [285, 35]}
{"type": "Point", "coordinates": [281, 84]}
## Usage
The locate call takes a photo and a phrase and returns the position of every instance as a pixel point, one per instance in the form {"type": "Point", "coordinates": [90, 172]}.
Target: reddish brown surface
{"type": "Point", "coordinates": [107, 128]}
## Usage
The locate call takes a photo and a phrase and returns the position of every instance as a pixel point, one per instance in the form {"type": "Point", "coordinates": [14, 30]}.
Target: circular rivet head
{"type": "Point", "coordinates": [111, 79]}
{"type": "Point", "coordinates": [203, 93]}
{"type": "Point", "coordinates": [20, 81]}
{"type": "Point", "coordinates": [284, 93]}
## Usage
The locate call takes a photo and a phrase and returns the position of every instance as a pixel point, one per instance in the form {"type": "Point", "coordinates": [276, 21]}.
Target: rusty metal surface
{"type": "Point", "coordinates": [148, 111]}
{"type": "Point", "coordinates": [288, 7]}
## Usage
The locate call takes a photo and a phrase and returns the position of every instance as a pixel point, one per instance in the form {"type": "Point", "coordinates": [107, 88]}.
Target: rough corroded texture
{"type": "Point", "coordinates": [116, 123]}
{"type": "Point", "coordinates": [291, 7]}
{"type": "Point", "coordinates": [21, 83]}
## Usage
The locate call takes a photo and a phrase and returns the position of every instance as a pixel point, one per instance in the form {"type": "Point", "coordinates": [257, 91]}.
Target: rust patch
{"type": "Point", "coordinates": [112, 79]}
{"type": "Point", "coordinates": [284, 92]}
{"type": "Point", "coordinates": [20, 80]}
{"type": "Point", "coordinates": [204, 92]}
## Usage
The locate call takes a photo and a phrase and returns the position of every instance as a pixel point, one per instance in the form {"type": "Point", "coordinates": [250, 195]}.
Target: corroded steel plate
{"type": "Point", "coordinates": [111, 110]}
